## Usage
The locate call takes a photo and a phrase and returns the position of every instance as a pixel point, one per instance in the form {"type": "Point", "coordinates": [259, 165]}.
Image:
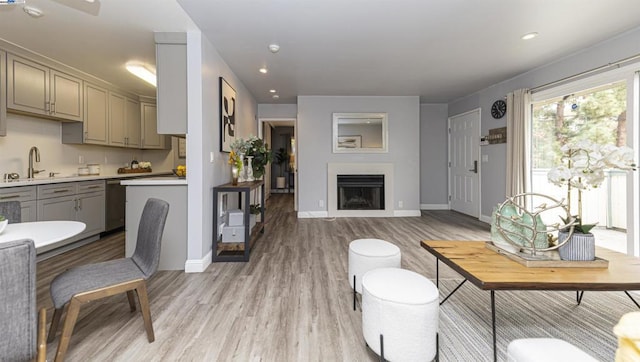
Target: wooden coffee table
{"type": "Point", "coordinates": [489, 270]}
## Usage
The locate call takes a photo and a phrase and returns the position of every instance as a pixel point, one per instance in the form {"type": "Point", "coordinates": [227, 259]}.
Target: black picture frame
{"type": "Point", "coordinates": [228, 107]}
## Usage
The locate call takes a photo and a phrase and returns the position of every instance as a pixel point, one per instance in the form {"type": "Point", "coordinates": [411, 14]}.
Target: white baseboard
{"type": "Point", "coordinates": [198, 265]}
{"type": "Point", "coordinates": [406, 213]}
{"type": "Point", "coordinates": [485, 218]}
{"type": "Point", "coordinates": [312, 214]}
{"type": "Point", "coordinates": [434, 206]}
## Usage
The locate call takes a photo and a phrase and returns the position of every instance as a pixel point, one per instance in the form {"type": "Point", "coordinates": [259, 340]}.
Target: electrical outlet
{"type": "Point", "coordinates": [211, 157]}
{"type": "Point", "coordinates": [485, 158]}
{"type": "Point", "coordinates": [320, 203]}
{"type": "Point", "coordinates": [400, 204]}
{"type": "Point", "coordinates": [80, 159]}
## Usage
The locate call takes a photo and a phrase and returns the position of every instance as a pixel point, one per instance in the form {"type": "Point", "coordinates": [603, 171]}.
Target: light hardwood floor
{"type": "Point", "coordinates": [291, 302]}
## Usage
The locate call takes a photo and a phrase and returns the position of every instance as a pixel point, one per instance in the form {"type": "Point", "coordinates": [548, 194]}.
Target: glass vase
{"type": "Point", "coordinates": [250, 169]}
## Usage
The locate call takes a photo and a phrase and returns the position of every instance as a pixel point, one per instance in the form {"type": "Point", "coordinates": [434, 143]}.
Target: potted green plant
{"type": "Point", "coordinates": [282, 159]}
{"type": "Point", "coordinates": [583, 168]}
{"type": "Point", "coordinates": [261, 154]}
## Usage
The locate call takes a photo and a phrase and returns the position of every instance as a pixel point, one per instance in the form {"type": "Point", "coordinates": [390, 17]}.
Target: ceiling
{"type": "Point", "coordinates": [439, 50]}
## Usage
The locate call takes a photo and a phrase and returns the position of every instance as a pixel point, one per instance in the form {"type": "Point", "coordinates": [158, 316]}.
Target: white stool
{"type": "Point", "coordinates": [545, 349]}
{"type": "Point", "coordinates": [400, 315]}
{"type": "Point", "coordinates": [369, 254]}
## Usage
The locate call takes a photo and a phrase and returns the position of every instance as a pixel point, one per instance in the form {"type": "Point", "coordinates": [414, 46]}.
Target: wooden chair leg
{"type": "Point", "coordinates": [132, 300]}
{"type": "Point", "coordinates": [67, 328]}
{"type": "Point", "coordinates": [141, 290]}
{"type": "Point", "coordinates": [55, 321]}
{"type": "Point", "coordinates": [42, 344]}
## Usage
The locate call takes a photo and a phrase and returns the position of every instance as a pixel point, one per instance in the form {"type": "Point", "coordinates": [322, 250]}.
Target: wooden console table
{"type": "Point", "coordinates": [237, 251]}
{"type": "Point", "coordinates": [489, 270]}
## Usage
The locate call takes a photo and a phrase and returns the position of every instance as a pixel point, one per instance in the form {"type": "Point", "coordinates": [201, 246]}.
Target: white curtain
{"type": "Point", "coordinates": [518, 138]}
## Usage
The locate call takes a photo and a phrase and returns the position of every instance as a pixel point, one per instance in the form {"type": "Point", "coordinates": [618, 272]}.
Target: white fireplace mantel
{"type": "Point", "coordinates": [335, 169]}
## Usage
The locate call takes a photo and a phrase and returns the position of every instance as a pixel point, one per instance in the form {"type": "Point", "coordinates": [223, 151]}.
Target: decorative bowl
{"type": "Point", "coordinates": [3, 224]}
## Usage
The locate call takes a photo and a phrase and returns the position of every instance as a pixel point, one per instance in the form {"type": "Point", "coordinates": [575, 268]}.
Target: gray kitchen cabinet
{"type": "Point", "coordinates": [117, 127]}
{"type": "Point", "coordinates": [37, 89]}
{"type": "Point", "coordinates": [133, 123]}
{"type": "Point", "coordinates": [3, 91]}
{"type": "Point", "coordinates": [27, 197]}
{"type": "Point", "coordinates": [124, 121]}
{"type": "Point", "coordinates": [150, 137]}
{"type": "Point", "coordinates": [95, 128]}
{"type": "Point", "coordinates": [171, 71]}
{"type": "Point", "coordinates": [80, 201]}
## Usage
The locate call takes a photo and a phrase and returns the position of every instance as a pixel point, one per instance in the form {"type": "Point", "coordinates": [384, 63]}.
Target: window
{"type": "Point", "coordinates": [598, 114]}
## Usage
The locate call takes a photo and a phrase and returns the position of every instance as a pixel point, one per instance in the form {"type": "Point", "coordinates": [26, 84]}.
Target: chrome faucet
{"type": "Point", "coordinates": [30, 170]}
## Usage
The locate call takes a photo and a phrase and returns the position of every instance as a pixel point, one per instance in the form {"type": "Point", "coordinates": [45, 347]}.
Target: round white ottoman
{"type": "Point", "coordinates": [369, 254]}
{"type": "Point", "coordinates": [400, 311]}
{"type": "Point", "coordinates": [545, 349]}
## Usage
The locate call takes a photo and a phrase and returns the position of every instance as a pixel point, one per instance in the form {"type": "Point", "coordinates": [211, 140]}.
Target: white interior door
{"type": "Point", "coordinates": [464, 139]}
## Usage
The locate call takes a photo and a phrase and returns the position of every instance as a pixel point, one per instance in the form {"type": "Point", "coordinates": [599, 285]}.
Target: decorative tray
{"type": "Point", "coordinates": [548, 261]}
{"type": "Point", "coordinates": [133, 170]}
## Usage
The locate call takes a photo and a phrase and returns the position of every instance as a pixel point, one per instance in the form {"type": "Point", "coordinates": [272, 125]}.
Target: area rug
{"type": "Point", "coordinates": [465, 320]}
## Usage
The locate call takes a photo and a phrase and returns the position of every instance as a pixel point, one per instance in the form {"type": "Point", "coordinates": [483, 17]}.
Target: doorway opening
{"type": "Point", "coordinates": [281, 175]}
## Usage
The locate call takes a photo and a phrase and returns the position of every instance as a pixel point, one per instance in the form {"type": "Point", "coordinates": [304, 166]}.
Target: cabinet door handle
{"type": "Point", "coordinates": [9, 197]}
{"type": "Point", "coordinates": [47, 106]}
{"type": "Point", "coordinates": [59, 191]}
{"type": "Point", "coordinates": [79, 204]}
{"type": "Point", "coordinates": [93, 187]}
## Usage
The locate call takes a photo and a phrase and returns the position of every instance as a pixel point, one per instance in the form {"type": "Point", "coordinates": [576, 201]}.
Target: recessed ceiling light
{"type": "Point", "coordinates": [143, 72]}
{"type": "Point", "coordinates": [33, 12]}
{"type": "Point", "coordinates": [274, 48]}
{"type": "Point", "coordinates": [272, 90]}
{"type": "Point", "coordinates": [529, 36]}
{"type": "Point", "coordinates": [263, 70]}
{"type": "Point", "coordinates": [275, 96]}
{"type": "Point", "coordinates": [11, 2]}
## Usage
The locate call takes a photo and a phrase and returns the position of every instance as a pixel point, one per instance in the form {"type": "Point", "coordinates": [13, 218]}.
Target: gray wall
{"type": "Point", "coordinates": [493, 172]}
{"type": "Point", "coordinates": [204, 67]}
{"type": "Point", "coordinates": [315, 126]}
{"type": "Point", "coordinates": [277, 110]}
{"type": "Point", "coordinates": [433, 156]}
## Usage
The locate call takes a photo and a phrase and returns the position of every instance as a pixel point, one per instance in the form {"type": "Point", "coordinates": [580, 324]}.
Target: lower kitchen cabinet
{"type": "Point", "coordinates": [80, 201]}
{"type": "Point", "coordinates": [27, 197]}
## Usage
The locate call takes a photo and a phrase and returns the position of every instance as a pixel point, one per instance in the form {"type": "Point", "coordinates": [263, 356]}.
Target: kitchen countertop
{"type": "Point", "coordinates": [75, 178]}
{"type": "Point", "coordinates": [156, 181]}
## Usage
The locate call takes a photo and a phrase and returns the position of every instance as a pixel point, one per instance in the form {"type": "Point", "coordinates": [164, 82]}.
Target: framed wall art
{"type": "Point", "coordinates": [228, 102]}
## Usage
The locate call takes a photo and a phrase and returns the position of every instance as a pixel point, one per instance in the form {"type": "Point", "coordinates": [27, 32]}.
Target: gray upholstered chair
{"type": "Point", "coordinates": [95, 281]}
{"type": "Point", "coordinates": [21, 338]}
{"type": "Point", "coordinates": [11, 210]}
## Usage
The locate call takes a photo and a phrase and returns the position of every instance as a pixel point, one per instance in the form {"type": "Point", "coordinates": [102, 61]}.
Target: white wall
{"type": "Point", "coordinates": [204, 67]}
{"type": "Point", "coordinates": [433, 156]}
{"type": "Point", "coordinates": [23, 132]}
{"type": "Point", "coordinates": [315, 127]}
{"type": "Point", "coordinates": [493, 171]}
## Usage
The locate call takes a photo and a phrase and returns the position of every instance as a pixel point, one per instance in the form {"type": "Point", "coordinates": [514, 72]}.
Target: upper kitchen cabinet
{"type": "Point", "coordinates": [37, 89]}
{"type": "Point", "coordinates": [124, 121]}
{"type": "Point", "coordinates": [3, 91]}
{"type": "Point", "coordinates": [171, 73]}
{"type": "Point", "coordinates": [150, 137]}
{"type": "Point", "coordinates": [95, 128]}
{"type": "Point", "coordinates": [133, 122]}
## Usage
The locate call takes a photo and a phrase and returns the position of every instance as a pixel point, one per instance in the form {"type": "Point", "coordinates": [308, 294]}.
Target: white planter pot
{"type": "Point", "coordinates": [580, 247]}
{"type": "Point", "coordinates": [280, 182]}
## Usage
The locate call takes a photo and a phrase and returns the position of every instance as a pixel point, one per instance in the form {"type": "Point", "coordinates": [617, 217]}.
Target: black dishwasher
{"type": "Point", "coordinates": [115, 197]}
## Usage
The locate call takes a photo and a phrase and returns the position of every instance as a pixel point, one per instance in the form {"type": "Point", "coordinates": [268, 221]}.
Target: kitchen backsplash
{"type": "Point", "coordinates": [23, 132]}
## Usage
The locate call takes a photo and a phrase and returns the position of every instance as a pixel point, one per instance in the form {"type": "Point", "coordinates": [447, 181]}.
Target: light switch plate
{"type": "Point", "coordinates": [485, 158]}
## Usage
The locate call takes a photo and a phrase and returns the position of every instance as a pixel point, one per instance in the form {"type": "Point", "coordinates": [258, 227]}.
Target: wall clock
{"type": "Point", "coordinates": [498, 109]}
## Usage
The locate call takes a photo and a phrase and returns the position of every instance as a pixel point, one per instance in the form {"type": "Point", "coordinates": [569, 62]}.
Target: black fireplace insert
{"type": "Point", "coordinates": [360, 192]}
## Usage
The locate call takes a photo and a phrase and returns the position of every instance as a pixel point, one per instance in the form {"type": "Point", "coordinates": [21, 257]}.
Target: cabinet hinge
{"type": "Point", "coordinates": [449, 197]}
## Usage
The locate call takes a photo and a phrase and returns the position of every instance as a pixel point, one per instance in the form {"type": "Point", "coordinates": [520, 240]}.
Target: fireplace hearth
{"type": "Point", "coordinates": [360, 192]}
